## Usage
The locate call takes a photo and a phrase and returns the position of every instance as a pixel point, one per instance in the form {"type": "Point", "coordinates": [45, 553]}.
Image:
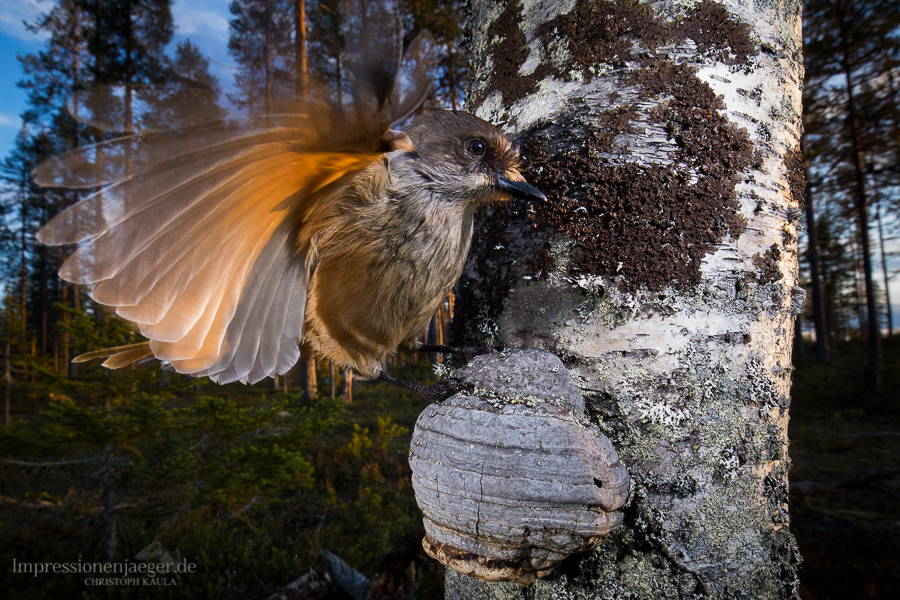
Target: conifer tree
{"type": "Point", "coordinates": [261, 43]}
{"type": "Point", "coordinates": [848, 48]}
{"type": "Point", "coordinates": [52, 76]}
{"type": "Point", "coordinates": [445, 21]}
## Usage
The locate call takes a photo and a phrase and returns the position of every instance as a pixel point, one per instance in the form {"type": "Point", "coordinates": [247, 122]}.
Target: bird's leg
{"type": "Point", "coordinates": [447, 386]}
{"type": "Point", "coordinates": [429, 393]}
{"type": "Point", "coordinates": [469, 352]}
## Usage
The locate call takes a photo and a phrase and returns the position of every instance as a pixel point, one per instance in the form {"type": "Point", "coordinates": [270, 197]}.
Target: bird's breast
{"type": "Point", "coordinates": [379, 284]}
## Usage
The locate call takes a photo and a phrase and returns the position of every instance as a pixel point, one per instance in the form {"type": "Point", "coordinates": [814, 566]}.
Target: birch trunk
{"type": "Point", "coordinates": [662, 270]}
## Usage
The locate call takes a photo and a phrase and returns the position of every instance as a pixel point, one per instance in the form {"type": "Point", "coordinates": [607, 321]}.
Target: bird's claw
{"type": "Point", "coordinates": [429, 393]}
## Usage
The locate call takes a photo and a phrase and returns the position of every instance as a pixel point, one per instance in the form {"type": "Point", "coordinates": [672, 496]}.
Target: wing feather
{"type": "Point", "coordinates": [264, 335]}
{"type": "Point", "coordinates": [160, 181]}
{"type": "Point", "coordinates": [186, 246]}
{"type": "Point", "coordinates": [241, 339]}
{"type": "Point", "coordinates": [271, 324]}
{"type": "Point", "coordinates": [110, 351]}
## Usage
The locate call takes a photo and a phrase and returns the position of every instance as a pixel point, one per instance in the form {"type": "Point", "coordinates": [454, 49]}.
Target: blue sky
{"type": "Point", "coordinates": [205, 22]}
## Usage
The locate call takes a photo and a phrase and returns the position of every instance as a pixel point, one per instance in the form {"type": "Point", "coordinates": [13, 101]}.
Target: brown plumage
{"type": "Point", "coordinates": [229, 245]}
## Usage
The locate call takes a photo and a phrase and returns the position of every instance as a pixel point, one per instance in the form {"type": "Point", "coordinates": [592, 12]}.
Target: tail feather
{"type": "Point", "coordinates": [119, 356]}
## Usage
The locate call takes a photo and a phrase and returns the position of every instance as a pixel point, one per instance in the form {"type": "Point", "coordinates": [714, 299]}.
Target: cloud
{"type": "Point", "coordinates": [7, 121]}
{"type": "Point", "coordinates": [14, 12]}
{"type": "Point", "coordinates": [208, 18]}
{"type": "Point", "coordinates": [202, 18]}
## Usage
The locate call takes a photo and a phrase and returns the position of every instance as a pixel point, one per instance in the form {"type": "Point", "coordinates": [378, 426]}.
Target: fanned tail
{"type": "Point", "coordinates": [119, 356]}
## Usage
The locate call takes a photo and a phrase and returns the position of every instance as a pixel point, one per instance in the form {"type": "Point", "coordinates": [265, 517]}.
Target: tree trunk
{"type": "Point", "coordinates": [662, 270]}
{"type": "Point", "coordinates": [308, 380]}
{"type": "Point", "coordinates": [818, 298]}
{"type": "Point", "coordinates": [333, 391]}
{"type": "Point", "coordinates": [884, 272]}
{"type": "Point", "coordinates": [433, 336]}
{"type": "Point", "coordinates": [301, 81]}
{"type": "Point", "coordinates": [347, 387]}
{"type": "Point", "coordinates": [799, 346]}
{"type": "Point", "coordinates": [873, 369]}
{"type": "Point", "coordinates": [7, 378]}
{"type": "Point", "coordinates": [267, 67]}
{"type": "Point", "coordinates": [66, 365]}
{"type": "Point", "coordinates": [23, 257]}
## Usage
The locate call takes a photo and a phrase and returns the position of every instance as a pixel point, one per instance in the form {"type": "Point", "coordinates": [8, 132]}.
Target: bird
{"type": "Point", "coordinates": [229, 243]}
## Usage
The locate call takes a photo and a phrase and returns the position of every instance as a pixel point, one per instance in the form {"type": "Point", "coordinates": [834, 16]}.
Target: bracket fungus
{"type": "Point", "coordinates": [510, 476]}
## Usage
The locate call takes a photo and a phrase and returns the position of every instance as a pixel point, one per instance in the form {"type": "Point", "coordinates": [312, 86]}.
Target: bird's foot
{"type": "Point", "coordinates": [468, 352]}
{"type": "Point", "coordinates": [429, 393]}
{"type": "Point", "coordinates": [447, 386]}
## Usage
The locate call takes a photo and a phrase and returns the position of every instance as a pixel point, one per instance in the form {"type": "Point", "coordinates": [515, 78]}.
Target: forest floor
{"type": "Point", "coordinates": [358, 502]}
{"type": "Point", "coordinates": [845, 481]}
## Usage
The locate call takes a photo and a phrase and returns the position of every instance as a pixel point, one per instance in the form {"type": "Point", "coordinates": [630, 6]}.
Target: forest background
{"type": "Point", "coordinates": [252, 483]}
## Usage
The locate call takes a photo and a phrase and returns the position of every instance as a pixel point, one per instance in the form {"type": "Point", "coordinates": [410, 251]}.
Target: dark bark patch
{"type": "Point", "coordinates": [713, 30]}
{"type": "Point", "coordinates": [787, 237]}
{"type": "Point", "coordinates": [603, 32]}
{"type": "Point", "coordinates": [796, 174]}
{"type": "Point", "coordinates": [767, 265]}
{"type": "Point", "coordinates": [480, 305]}
{"type": "Point", "coordinates": [509, 53]}
{"type": "Point", "coordinates": [651, 223]}
{"type": "Point", "coordinates": [786, 561]}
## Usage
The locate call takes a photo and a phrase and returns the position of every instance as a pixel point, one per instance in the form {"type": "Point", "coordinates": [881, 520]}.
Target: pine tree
{"type": "Point", "coordinates": [261, 43]}
{"type": "Point", "coordinates": [53, 75]}
{"type": "Point", "coordinates": [445, 21]}
{"type": "Point", "coordinates": [128, 40]}
{"type": "Point", "coordinates": [848, 47]}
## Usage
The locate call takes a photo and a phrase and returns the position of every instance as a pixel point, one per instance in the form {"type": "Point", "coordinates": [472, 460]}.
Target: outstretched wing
{"type": "Point", "coordinates": [194, 241]}
{"type": "Point", "coordinates": [192, 235]}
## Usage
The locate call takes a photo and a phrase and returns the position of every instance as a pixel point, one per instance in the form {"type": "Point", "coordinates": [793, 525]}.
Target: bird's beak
{"type": "Point", "coordinates": [519, 189]}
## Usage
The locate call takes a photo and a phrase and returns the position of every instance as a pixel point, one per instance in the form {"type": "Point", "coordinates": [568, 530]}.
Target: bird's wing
{"type": "Point", "coordinates": [383, 82]}
{"type": "Point", "coordinates": [192, 235]}
{"type": "Point", "coordinates": [194, 242]}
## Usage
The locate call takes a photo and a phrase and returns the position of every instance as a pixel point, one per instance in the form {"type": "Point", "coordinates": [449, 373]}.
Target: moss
{"type": "Point", "coordinates": [509, 53]}
{"type": "Point", "coordinates": [600, 35]}
{"type": "Point", "coordinates": [796, 175]}
{"type": "Point", "coordinates": [767, 265]}
{"type": "Point", "coordinates": [711, 27]}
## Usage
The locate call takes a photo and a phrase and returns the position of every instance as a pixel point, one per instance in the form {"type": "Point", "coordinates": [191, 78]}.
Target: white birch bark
{"type": "Point", "coordinates": [678, 332]}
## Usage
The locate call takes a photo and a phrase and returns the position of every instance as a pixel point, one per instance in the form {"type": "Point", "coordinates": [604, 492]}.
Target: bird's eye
{"type": "Point", "coordinates": [476, 147]}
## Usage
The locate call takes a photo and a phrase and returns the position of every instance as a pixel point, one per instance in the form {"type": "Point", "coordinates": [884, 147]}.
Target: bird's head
{"type": "Point", "coordinates": [466, 159]}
